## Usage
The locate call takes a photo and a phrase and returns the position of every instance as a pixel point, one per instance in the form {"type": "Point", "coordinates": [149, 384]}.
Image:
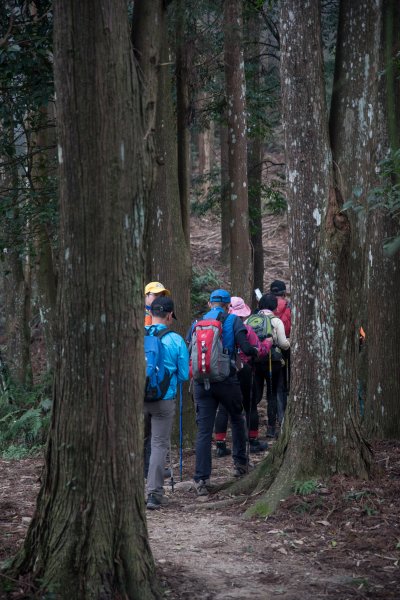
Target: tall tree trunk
{"type": "Point", "coordinates": [16, 278]}
{"type": "Point", "coordinates": [382, 407]}
{"type": "Point", "coordinates": [88, 538]}
{"type": "Point", "coordinates": [321, 433]}
{"type": "Point", "coordinates": [44, 142]}
{"type": "Point", "coordinates": [205, 138]}
{"type": "Point", "coordinates": [17, 292]}
{"type": "Point", "coordinates": [167, 253]}
{"type": "Point", "coordinates": [255, 152]}
{"type": "Point", "coordinates": [225, 196]}
{"type": "Point", "coordinates": [241, 257]}
{"type": "Point", "coordinates": [182, 112]}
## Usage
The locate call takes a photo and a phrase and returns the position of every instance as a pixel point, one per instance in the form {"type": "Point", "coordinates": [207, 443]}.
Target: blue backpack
{"type": "Point", "coordinates": [158, 377]}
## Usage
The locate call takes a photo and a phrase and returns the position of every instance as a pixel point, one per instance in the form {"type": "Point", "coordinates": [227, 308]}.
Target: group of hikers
{"type": "Point", "coordinates": [229, 354]}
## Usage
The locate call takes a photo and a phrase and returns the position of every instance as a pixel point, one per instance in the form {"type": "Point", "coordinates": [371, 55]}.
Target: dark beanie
{"type": "Point", "coordinates": [278, 287]}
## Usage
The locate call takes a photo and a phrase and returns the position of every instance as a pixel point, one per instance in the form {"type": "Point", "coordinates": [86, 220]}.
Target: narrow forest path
{"type": "Point", "coordinates": [340, 542]}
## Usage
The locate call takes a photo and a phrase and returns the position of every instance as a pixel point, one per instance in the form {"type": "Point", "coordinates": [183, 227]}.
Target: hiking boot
{"type": "Point", "coordinates": [241, 470]}
{"type": "Point", "coordinates": [202, 487]}
{"type": "Point", "coordinates": [154, 501]}
{"type": "Point", "coordinates": [271, 431]}
{"type": "Point", "coordinates": [256, 446]}
{"type": "Point", "coordinates": [222, 450]}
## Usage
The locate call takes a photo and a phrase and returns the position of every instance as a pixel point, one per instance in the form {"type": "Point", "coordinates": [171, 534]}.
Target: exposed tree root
{"type": "Point", "coordinates": [218, 504]}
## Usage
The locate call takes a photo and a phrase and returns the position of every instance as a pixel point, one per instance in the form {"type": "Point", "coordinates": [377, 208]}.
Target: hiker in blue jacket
{"type": "Point", "coordinates": [161, 412]}
{"type": "Point", "coordinates": [226, 392]}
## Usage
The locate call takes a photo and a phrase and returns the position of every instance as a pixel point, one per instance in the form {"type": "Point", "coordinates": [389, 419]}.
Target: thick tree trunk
{"type": "Point", "coordinates": [255, 152]}
{"type": "Point", "coordinates": [321, 434]}
{"type": "Point", "coordinates": [241, 256]}
{"type": "Point", "coordinates": [182, 114]}
{"type": "Point", "coordinates": [382, 406]}
{"type": "Point", "coordinates": [88, 538]}
{"type": "Point", "coordinates": [167, 254]}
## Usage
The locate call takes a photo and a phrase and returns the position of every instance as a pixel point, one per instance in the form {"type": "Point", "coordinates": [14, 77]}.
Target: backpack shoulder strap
{"type": "Point", "coordinates": [222, 316]}
{"type": "Point", "coordinates": [161, 332]}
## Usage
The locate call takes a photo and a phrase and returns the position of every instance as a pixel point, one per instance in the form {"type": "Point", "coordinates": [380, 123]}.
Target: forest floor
{"type": "Point", "coordinates": [340, 541]}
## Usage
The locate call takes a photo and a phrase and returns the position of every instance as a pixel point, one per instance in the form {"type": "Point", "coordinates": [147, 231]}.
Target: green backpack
{"type": "Point", "coordinates": [261, 323]}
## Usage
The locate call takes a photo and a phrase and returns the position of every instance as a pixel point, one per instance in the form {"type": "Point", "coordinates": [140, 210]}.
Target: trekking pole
{"type": "Point", "coordinates": [171, 467]}
{"type": "Point", "coordinates": [249, 413]}
{"type": "Point", "coordinates": [180, 431]}
{"type": "Point", "coordinates": [270, 381]}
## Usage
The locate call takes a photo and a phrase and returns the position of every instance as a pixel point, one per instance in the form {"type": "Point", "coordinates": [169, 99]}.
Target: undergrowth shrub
{"type": "Point", "coordinates": [203, 283]}
{"type": "Point", "coordinates": [24, 418]}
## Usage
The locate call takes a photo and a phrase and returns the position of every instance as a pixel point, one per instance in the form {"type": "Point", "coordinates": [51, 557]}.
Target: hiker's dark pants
{"type": "Point", "coordinates": [262, 374]}
{"type": "Point", "coordinates": [249, 404]}
{"type": "Point", "coordinates": [228, 394]}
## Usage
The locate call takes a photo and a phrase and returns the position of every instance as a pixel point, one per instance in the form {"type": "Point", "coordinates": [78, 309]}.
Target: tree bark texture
{"type": "Point", "coordinates": [167, 254]}
{"type": "Point", "coordinates": [241, 256]}
{"type": "Point", "coordinates": [321, 433]}
{"type": "Point", "coordinates": [43, 167]}
{"type": "Point", "coordinates": [225, 196]}
{"type": "Point", "coordinates": [382, 407]}
{"type": "Point", "coordinates": [88, 538]}
{"type": "Point", "coordinates": [17, 295]}
{"type": "Point", "coordinates": [182, 119]}
{"type": "Point", "coordinates": [255, 152]}
{"type": "Point", "coordinates": [17, 283]}
{"type": "Point", "coordinates": [205, 141]}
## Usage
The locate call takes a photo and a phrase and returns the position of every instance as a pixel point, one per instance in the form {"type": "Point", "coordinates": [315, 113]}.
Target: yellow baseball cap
{"type": "Point", "coordinates": [155, 287]}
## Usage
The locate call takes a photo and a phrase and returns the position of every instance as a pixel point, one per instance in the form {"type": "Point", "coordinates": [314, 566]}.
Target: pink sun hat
{"type": "Point", "coordinates": [239, 307]}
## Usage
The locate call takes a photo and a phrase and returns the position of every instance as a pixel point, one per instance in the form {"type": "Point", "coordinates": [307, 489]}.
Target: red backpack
{"type": "Point", "coordinates": [209, 360]}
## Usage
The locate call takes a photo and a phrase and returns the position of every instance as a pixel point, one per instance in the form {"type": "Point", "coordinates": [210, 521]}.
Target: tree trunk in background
{"type": "Point", "coordinates": [43, 168]}
{"type": "Point", "coordinates": [225, 197]}
{"type": "Point", "coordinates": [205, 140]}
{"type": "Point", "coordinates": [321, 434]}
{"type": "Point", "coordinates": [146, 41]}
{"type": "Point", "coordinates": [255, 153]}
{"type": "Point", "coordinates": [382, 407]}
{"type": "Point", "coordinates": [167, 253]}
{"type": "Point", "coordinates": [241, 256]}
{"type": "Point", "coordinates": [17, 293]}
{"type": "Point", "coordinates": [17, 288]}
{"type": "Point", "coordinates": [88, 538]}
{"type": "Point", "coordinates": [182, 113]}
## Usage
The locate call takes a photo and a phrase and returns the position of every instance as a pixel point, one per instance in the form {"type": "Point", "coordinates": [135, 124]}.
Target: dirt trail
{"type": "Point", "coordinates": [340, 542]}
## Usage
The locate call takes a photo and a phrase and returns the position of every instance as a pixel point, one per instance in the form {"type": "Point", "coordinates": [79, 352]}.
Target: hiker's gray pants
{"type": "Point", "coordinates": [161, 414]}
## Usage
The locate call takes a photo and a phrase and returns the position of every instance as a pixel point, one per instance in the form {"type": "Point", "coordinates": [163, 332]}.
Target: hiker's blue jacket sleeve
{"type": "Point", "coordinates": [176, 361]}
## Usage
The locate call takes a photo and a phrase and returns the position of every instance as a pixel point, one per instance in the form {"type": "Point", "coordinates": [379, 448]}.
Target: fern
{"type": "Point", "coordinates": [24, 418]}
{"type": "Point", "coordinates": [304, 488]}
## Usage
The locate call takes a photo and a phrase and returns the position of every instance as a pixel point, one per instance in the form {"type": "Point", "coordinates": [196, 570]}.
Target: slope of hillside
{"type": "Point", "coordinates": [205, 241]}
